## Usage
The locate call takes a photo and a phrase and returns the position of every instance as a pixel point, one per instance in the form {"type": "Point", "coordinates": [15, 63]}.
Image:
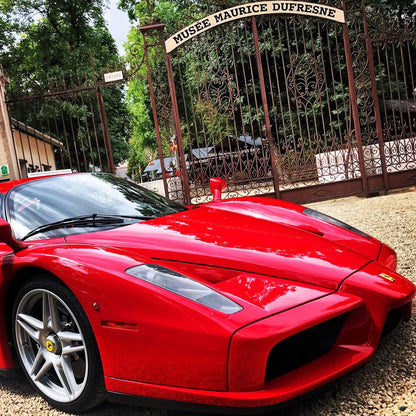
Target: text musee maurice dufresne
{"type": "Point", "coordinates": [252, 9]}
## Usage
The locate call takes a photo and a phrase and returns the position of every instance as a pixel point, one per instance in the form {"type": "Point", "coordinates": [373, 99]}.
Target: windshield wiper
{"type": "Point", "coordinates": [134, 217]}
{"type": "Point", "coordinates": [94, 220]}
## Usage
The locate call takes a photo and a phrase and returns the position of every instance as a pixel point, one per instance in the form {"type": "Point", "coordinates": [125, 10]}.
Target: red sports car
{"type": "Point", "coordinates": [110, 291]}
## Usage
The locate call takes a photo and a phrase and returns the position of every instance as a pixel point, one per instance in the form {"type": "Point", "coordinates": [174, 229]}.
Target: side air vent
{"type": "Point", "coordinates": [393, 319]}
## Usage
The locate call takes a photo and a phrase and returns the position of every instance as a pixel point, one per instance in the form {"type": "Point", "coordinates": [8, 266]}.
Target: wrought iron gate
{"type": "Point", "coordinates": [281, 104]}
{"type": "Point", "coordinates": [63, 126]}
{"type": "Point", "coordinates": [393, 50]}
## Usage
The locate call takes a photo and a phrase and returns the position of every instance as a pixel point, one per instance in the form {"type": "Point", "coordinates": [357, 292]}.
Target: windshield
{"type": "Point", "coordinates": [57, 198]}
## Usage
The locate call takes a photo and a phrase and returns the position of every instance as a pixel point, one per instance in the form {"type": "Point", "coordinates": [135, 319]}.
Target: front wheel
{"type": "Point", "coordinates": [56, 346]}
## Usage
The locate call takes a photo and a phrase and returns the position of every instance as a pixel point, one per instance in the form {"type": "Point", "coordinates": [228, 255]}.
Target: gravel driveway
{"type": "Point", "coordinates": [385, 386]}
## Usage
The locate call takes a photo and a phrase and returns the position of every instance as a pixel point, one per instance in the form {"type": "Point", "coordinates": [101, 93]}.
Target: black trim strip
{"type": "Point", "coordinates": [142, 401]}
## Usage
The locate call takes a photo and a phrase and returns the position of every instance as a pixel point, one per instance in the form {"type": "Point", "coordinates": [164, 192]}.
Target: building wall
{"type": "Point", "coordinates": [34, 155]}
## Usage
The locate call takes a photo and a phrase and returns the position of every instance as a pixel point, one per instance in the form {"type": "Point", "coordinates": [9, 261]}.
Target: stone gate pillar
{"type": "Point", "coordinates": [8, 163]}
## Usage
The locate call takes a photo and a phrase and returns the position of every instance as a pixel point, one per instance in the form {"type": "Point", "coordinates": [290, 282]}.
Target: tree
{"type": "Point", "coordinates": [143, 143]}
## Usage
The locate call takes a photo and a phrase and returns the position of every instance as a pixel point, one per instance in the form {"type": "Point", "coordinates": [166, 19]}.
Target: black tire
{"type": "Point", "coordinates": [56, 346]}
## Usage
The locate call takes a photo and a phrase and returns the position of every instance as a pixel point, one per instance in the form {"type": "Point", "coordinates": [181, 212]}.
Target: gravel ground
{"type": "Point", "coordinates": [385, 386]}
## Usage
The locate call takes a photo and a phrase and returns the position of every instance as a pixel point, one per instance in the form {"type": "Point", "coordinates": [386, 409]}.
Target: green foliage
{"type": "Point", "coordinates": [55, 38]}
{"type": "Point", "coordinates": [143, 133]}
{"type": "Point", "coordinates": [174, 14]}
{"type": "Point", "coordinates": [398, 8]}
{"type": "Point", "coordinates": [143, 143]}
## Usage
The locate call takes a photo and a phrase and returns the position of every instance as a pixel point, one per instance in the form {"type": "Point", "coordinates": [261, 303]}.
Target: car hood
{"type": "Point", "coordinates": [212, 237]}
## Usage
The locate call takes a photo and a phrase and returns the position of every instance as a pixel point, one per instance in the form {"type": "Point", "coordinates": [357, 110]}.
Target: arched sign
{"type": "Point", "coordinates": [253, 9]}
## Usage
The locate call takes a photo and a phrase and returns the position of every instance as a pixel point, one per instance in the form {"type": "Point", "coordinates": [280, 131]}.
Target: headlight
{"type": "Point", "coordinates": [184, 286]}
{"type": "Point", "coordinates": [331, 220]}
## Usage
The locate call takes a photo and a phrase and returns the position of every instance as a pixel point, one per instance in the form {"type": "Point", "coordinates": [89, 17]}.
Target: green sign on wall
{"type": "Point", "coordinates": [4, 170]}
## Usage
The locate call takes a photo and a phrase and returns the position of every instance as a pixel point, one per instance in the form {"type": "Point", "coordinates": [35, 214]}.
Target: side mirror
{"type": "Point", "coordinates": [217, 185]}
{"type": "Point", "coordinates": [7, 238]}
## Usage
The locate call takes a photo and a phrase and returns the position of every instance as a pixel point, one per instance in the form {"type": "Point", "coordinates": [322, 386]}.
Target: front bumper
{"type": "Point", "coordinates": [360, 324]}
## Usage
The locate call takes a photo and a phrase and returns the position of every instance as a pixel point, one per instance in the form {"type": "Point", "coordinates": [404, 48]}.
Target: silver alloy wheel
{"type": "Point", "coordinates": [51, 345]}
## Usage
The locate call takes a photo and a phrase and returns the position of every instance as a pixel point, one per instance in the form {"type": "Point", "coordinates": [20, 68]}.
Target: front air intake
{"type": "Point", "coordinates": [304, 347]}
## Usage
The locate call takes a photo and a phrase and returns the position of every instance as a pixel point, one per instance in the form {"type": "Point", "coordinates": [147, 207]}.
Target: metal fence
{"type": "Point", "coordinates": [63, 125]}
{"type": "Point", "coordinates": [394, 54]}
{"type": "Point", "coordinates": [292, 105]}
